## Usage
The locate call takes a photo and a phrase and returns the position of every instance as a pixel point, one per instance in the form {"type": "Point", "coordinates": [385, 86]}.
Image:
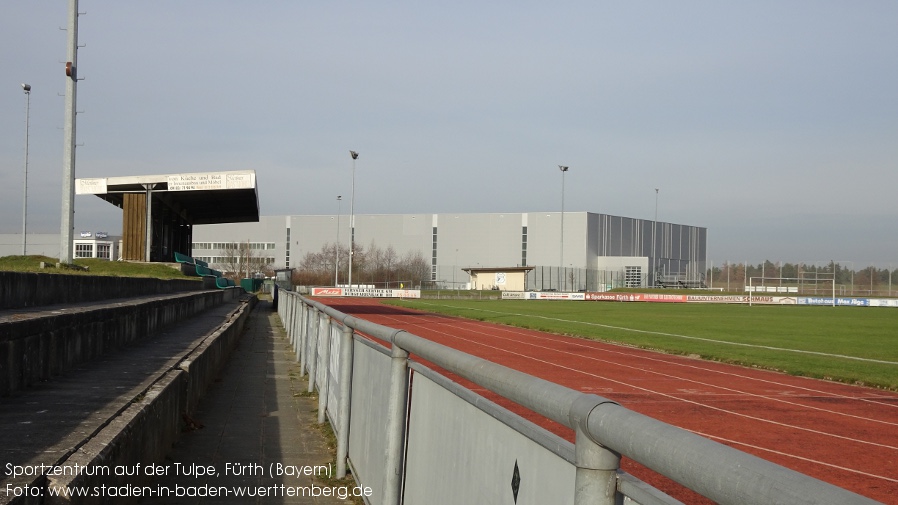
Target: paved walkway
{"type": "Point", "coordinates": [254, 418]}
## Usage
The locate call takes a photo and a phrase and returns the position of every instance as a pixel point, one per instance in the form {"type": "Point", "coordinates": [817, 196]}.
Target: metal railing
{"type": "Point", "coordinates": [604, 430]}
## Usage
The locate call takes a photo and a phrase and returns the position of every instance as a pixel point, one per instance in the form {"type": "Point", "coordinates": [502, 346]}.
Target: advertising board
{"type": "Point", "coordinates": [822, 300]}
{"type": "Point", "coordinates": [327, 291]}
{"type": "Point", "coordinates": [635, 297]}
{"type": "Point", "coordinates": [553, 295]}
{"type": "Point", "coordinates": [883, 302]}
{"type": "Point", "coordinates": [367, 292]}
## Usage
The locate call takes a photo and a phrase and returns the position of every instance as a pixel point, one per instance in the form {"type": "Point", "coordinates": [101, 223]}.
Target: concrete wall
{"type": "Point", "coordinates": [44, 345]}
{"type": "Point", "coordinates": [203, 363]}
{"type": "Point", "coordinates": [24, 289]}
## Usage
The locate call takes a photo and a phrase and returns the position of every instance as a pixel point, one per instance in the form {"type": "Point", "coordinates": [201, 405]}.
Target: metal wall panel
{"type": "Point", "coordinates": [458, 454]}
{"type": "Point", "coordinates": [321, 341]}
{"type": "Point", "coordinates": [404, 232]}
{"type": "Point", "coordinates": [333, 376]}
{"type": "Point", "coordinates": [367, 430]}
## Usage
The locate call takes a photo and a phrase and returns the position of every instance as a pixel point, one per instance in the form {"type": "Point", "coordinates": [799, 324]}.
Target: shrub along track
{"type": "Point", "coordinates": [842, 434]}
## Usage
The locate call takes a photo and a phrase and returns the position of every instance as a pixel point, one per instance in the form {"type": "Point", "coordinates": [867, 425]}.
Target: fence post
{"type": "Point", "coordinates": [300, 324]}
{"type": "Point", "coordinates": [288, 323]}
{"type": "Point", "coordinates": [345, 397]}
{"type": "Point", "coordinates": [304, 339]}
{"type": "Point", "coordinates": [277, 307]}
{"type": "Point", "coordinates": [297, 316]}
{"type": "Point", "coordinates": [397, 407]}
{"type": "Point", "coordinates": [595, 482]}
{"type": "Point", "coordinates": [596, 478]}
{"type": "Point", "coordinates": [325, 362]}
{"type": "Point", "coordinates": [312, 359]}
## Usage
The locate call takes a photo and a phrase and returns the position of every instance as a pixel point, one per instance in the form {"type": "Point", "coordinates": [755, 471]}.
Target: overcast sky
{"type": "Point", "coordinates": [773, 124]}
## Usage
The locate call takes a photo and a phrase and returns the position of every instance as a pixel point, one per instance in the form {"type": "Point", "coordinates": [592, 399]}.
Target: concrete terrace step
{"type": "Point", "coordinates": [25, 289]}
{"type": "Point", "coordinates": [37, 344]}
{"type": "Point", "coordinates": [49, 422]}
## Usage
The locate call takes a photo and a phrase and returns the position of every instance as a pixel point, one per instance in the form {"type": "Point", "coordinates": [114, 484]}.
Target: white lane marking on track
{"type": "Point", "coordinates": [571, 341]}
{"type": "Point", "coordinates": [837, 395]}
{"type": "Point", "coordinates": [666, 395]}
{"type": "Point", "coordinates": [793, 456]}
{"type": "Point", "coordinates": [737, 391]}
{"type": "Point", "coordinates": [817, 353]}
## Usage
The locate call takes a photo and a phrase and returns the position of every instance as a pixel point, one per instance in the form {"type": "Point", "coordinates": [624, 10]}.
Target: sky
{"type": "Point", "coordinates": [773, 124]}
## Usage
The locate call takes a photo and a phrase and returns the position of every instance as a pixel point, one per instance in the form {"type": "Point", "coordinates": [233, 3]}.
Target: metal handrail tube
{"type": "Point", "coordinates": [714, 470]}
{"type": "Point", "coordinates": [719, 472]}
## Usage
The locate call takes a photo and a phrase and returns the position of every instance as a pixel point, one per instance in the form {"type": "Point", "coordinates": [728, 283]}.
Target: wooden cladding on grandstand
{"type": "Point", "coordinates": [134, 226]}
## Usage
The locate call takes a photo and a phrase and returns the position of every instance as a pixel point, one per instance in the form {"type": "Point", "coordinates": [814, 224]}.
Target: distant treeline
{"type": "Point", "coordinates": [370, 265]}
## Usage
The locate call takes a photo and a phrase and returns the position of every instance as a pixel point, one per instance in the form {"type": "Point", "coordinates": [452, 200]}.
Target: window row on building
{"type": "Point", "coordinates": [224, 260]}
{"type": "Point", "coordinates": [232, 246]}
{"type": "Point", "coordinates": [93, 248]}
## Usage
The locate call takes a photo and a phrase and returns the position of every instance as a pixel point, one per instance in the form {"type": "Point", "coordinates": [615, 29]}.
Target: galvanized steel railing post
{"type": "Point", "coordinates": [304, 338]}
{"type": "Point", "coordinates": [344, 404]}
{"type": "Point", "coordinates": [294, 337]}
{"type": "Point", "coordinates": [288, 321]}
{"type": "Point", "coordinates": [278, 307]}
{"type": "Point", "coordinates": [313, 347]}
{"type": "Point", "coordinates": [325, 362]}
{"type": "Point", "coordinates": [596, 478]}
{"type": "Point", "coordinates": [397, 407]}
{"type": "Point", "coordinates": [300, 321]}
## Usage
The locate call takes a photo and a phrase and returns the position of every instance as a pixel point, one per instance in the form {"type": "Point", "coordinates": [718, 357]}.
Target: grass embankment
{"type": "Point", "coordinates": [847, 344]}
{"type": "Point", "coordinates": [91, 267]}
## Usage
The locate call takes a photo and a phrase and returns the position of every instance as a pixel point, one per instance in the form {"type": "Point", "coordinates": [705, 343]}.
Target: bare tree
{"type": "Point", "coordinates": [241, 261]}
{"type": "Point", "coordinates": [415, 268]}
{"type": "Point", "coordinates": [370, 265]}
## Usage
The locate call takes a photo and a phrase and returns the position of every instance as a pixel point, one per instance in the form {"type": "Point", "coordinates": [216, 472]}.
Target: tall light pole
{"type": "Point", "coordinates": [67, 223]}
{"type": "Point", "coordinates": [27, 89]}
{"type": "Point", "coordinates": [337, 246]}
{"type": "Point", "coordinates": [654, 228]}
{"type": "Point", "coordinates": [354, 155]}
{"type": "Point", "coordinates": [563, 171]}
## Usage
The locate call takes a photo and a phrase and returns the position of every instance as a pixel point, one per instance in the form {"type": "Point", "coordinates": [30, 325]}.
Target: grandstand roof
{"type": "Point", "coordinates": [200, 198]}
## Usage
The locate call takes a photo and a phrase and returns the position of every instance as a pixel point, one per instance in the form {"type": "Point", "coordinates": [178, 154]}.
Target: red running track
{"type": "Point", "coordinates": [842, 434]}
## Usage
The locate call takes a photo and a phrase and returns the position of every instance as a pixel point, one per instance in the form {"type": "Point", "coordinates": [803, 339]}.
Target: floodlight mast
{"type": "Point", "coordinates": [27, 89]}
{"type": "Point", "coordinates": [653, 266]}
{"type": "Point", "coordinates": [354, 155]}
{"type": "Point", "coordinates": [67, 226]}
{"type": "Point", "coordinates": [564, 170]}
{"type": "Point", "coordinates": [337, 246]}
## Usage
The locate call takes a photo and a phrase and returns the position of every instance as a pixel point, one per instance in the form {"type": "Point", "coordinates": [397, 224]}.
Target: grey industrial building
{"type": "Point", "coordinates": [599, 250]}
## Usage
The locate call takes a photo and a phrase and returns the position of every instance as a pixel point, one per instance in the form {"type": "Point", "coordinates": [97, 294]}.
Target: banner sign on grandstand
{"type": "Point", "coordinates": [210, 181]}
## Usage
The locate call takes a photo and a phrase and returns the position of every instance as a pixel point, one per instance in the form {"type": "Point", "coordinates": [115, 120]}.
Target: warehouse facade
{"type": "Point", "coordinates": [599, 250]}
